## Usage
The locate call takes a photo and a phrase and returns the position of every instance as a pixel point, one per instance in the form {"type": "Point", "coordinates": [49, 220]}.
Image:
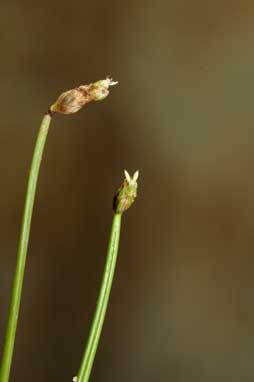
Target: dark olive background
{"type": "Point", "coordinates": [182, 306]}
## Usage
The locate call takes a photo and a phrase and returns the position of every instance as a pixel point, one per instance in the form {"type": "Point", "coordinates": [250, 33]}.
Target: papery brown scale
{"type": "Point", "coordinates": [70, 102]}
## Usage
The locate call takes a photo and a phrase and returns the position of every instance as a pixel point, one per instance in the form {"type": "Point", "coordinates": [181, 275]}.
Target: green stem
{"type": "Point", "coordinates": [22, 250]}
{"type": "Point", "coordinates": [102, 303]}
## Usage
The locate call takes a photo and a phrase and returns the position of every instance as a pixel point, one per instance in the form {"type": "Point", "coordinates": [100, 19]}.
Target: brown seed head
{"type": "Point", "coordinates": [73, 100]}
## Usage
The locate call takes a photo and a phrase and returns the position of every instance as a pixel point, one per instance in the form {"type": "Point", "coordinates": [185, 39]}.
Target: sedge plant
{"type": "Point", "coordinates": [123, 199]}
{"type": "Point", "coordinates": [69, 102]}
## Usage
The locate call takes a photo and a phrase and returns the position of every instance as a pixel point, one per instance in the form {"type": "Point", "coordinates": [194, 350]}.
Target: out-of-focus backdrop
{"type": "Point", "coordinates": [182, 303]}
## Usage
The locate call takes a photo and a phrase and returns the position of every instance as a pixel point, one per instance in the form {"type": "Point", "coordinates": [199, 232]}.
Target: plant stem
{"type": "Point", "coordinates": [102, 303]}
{"type": "Point", "coordinates": [22, 250]}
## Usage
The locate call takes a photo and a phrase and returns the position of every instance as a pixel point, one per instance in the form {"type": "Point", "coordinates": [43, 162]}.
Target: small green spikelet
{"type": "Point", "coordinates": [126, 194]}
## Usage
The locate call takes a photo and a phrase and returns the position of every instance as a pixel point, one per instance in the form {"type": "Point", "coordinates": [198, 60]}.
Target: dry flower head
{"type": "Point", "coordinates": [73, 100]}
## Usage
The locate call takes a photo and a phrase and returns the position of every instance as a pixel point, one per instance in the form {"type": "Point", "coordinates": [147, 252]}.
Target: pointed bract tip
{"type": "Point", "coordinates": [135, 176]}
{"type": "Point", "coordinates": [133, 179]}
{"type": "Point", "coordinates": [127, 176]}
{"type": "Point", "coordinates": [111, 82]}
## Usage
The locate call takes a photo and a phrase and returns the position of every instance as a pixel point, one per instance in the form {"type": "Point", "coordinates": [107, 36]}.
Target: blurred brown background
{"type": "Point", "coordinates": [182, 302]}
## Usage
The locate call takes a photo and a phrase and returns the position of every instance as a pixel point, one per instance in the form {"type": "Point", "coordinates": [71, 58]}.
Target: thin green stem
{"type": "Point", "coordinates": [102, 303]}
{"type": "Point", "coordinates": [22, 250]}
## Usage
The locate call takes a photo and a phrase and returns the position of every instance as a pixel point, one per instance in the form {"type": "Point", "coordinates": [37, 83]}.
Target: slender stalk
{"type": "Point", "coordinates": [102, 303]}
{"type": "Point", "coordinates": [22, 250]}
{"type": "Point", "coordinates": [67, 103]}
